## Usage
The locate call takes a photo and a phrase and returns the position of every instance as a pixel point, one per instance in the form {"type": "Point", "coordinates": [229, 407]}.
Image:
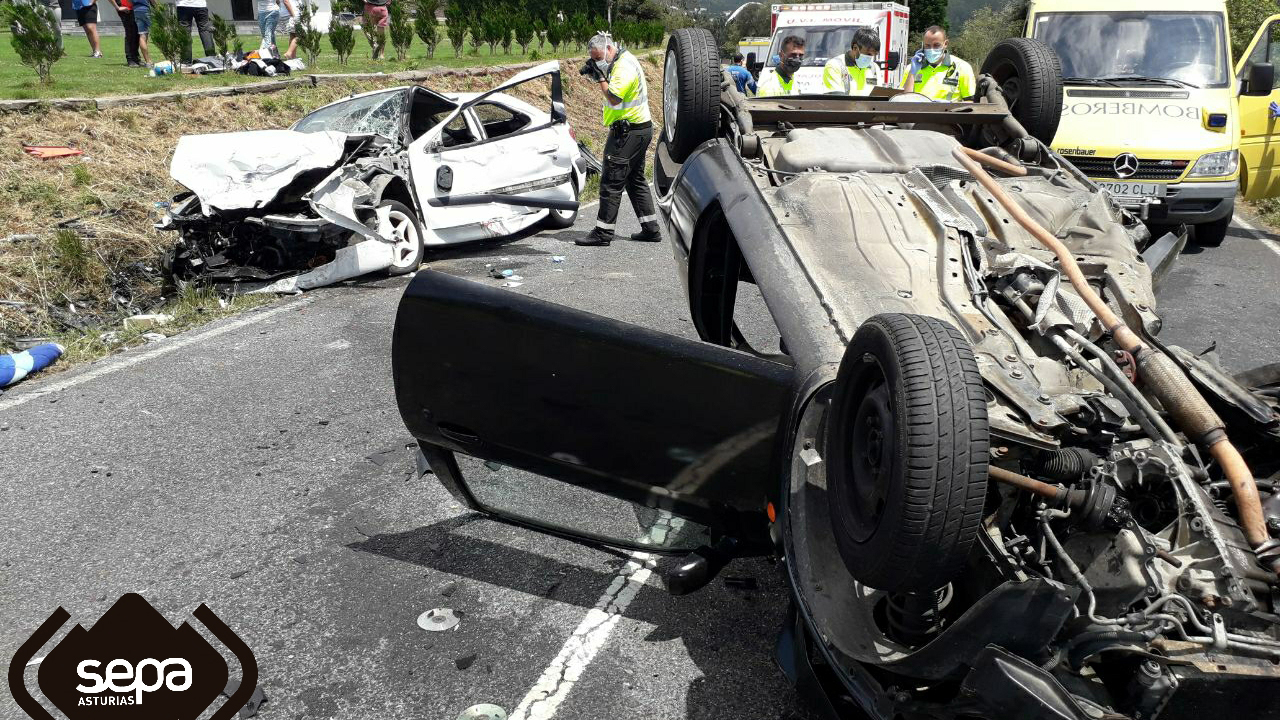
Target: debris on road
{"type": "Point", "coordinates": [147, 320]}
{"type": "Point", "coordinates": [449, 589]}
{"type": "Point", "coordinates": [382, 457]}
{"type": "Point", "coordinates": [438, 620]}
{"type": "Point", "coordinates": [557, 258]}
{"type": "Point", "coordinates": [153, 336]}
{"type": "Point", "coordinates": [465, 661]}
{"type": "Point", "coordinates": [497, 274]}
{"type": "Point", "coordinates": [15, 366]}
{"type": "Point", "coordinates": [484, 711]}
{"type": "Point", "coordinates": [511, 284]}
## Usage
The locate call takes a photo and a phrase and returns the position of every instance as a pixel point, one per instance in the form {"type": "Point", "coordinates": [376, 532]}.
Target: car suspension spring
{"type": "Point", "coordinates": [915, 617]}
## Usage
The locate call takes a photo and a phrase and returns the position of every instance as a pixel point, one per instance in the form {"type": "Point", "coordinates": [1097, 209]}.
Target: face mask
{"type": "Point", "coordinates": [604, 67]}
{"type": "Point", "coordinates": [933, 55]}
{"type": "Point", "coordinates": [792, 64]}
{"type": "Point", "coordinates": [864, 61]}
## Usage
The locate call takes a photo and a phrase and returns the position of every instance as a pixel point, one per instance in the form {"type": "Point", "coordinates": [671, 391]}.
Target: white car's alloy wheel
{"type": "Point", "coordinates": [405, 230]}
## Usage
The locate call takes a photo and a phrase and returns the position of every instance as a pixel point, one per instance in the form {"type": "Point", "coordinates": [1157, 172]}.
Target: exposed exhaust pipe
{"type": "Point", "coordinates": [1190, 412]}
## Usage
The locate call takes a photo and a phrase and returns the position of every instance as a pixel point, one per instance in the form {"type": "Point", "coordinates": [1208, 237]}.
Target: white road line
{"type": "Point", "coordinates": [163, 348]}
{"type": "Point", "coordinates": [557, 680]}
{"type": "Point", "coordinates": [1257, 235]}
{"type": "Point", "coordinates": [544, 698]}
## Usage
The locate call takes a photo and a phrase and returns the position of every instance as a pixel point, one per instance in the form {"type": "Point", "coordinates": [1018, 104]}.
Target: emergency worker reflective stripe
{"type": "Point", "coordinates": [626, 82]}
{"type": "Point", "coordinates": [838, 76]}
{"type": "Point", "coordinates": [950, 82]}
{"type": "Point", "coordinates": [773, 84]}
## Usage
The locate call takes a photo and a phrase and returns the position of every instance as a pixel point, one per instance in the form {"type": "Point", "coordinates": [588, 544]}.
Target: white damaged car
{"type": "Point", "coordinates": [366, 183]}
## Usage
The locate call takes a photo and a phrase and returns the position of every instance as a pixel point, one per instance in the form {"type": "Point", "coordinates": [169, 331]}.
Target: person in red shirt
{"type": "Point", "coordinates": [124, 8]}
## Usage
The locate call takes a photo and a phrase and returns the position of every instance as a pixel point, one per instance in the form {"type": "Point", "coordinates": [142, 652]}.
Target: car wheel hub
{"type": "Point", "coordinates": [406, 238]}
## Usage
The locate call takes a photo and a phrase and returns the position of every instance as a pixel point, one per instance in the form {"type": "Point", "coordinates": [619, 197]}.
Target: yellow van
{"type": "Point", "coordinates": [1157, 110]}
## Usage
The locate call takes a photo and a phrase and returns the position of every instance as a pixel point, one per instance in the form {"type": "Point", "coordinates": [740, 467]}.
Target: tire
{"type": "Point", "coordinates": [690, 91]}
{"type": "Point", "coordinates": [907, 444]}
{"type": "Point", "coordinates": [409, 247]}
{"type": "Point", "coordinates": [556, 219]}
{"type": "Point", "coordinates": [1211, 234]}
{"type": "Point", "coordinates": [1029, 73]}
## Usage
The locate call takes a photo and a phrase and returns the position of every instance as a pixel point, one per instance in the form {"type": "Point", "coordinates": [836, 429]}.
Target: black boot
{"type": "Point", "coordinates": [598, 236]}
{"type": "Point", "coordinates": [648, 233]}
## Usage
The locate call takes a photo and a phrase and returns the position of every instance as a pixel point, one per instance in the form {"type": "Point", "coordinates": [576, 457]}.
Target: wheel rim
{"type": "Point", "coordinates": [405, 231]}
{"type": "Point", "coordinates": [871, 436]}
{"type": "Point", "coordinates": [670, 97]}
{"type": "Point", "coordinates": [1012, 89]}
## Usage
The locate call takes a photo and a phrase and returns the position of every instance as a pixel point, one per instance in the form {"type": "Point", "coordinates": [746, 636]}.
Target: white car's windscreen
{"type": "Point", "coordinates": [378, 114]}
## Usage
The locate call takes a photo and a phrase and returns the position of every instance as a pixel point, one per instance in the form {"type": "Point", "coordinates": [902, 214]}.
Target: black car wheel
{"type": "Point", "coordinates": [561, 219]}
{"type": "Point", "coordinates": [1029, 73]}
{"type": "Point", "coordinates": [907, 444]}
{"type": "Point", "coordinates": [690, 91]}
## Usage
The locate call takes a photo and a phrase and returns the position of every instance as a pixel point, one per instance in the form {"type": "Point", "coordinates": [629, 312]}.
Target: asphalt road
{"type": "Point", "coordinates": [259, 465]}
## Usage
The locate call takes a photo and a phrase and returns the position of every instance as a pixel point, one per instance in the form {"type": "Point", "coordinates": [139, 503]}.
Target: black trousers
{"type": "Point", "coordinates": [130, 37]}
{"type": "Point", "coordinates": [624, 170]}
{"type": "Point", "coordinates": [203, 25]}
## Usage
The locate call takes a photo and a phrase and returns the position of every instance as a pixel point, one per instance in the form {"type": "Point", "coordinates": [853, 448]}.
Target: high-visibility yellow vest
{"type": "Point", "coordinates": [951, 82]}
{"type": "Point", "coordinates": [838, 76]}
{"type": "Point", "coordinates": [774, 84]}
{"type": "Point", "coordinates": [626, 82]}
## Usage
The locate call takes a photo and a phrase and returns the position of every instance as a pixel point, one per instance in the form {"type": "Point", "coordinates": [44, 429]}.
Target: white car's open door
{"type": "Point", "coordinates": [482, 173]}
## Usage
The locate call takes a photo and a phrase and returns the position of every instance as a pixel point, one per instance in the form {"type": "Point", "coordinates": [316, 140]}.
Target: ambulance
{"type": "Point", "coordinates": [1157, 110]}
{"type": "Point", "coordinates": [754, 50]}
{"type": "Point", "coordinates": [827, 29]}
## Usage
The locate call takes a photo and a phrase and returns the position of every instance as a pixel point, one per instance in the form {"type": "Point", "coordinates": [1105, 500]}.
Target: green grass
{"type": "Point", "coordinates": [78, 75]}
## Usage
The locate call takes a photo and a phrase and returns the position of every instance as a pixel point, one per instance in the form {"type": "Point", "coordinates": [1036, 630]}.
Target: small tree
{"type": "Point", "coordinates": [308, 36]}
{"type": "Point", "coordinates": [475, 28]}
{"type": "Point", "coordinates": [34, 36]}
{"type": "Point", "coordinates": [376, 36]}
{"type": "Point", "coordinates": [555, 35]}
{"type": "Point", "coordinates": [401, 30]}
{"type": "Point", "coordinates": [492, 27]}
{"type": "Point", "coordinates": [222, 32]}
{"type": "Point", "coordinates": [508, 22]}
{"type": "Point", "coordinates": [455, 26]}
{"type": "Point", "coordinates": [523, 30]}
{"type": "Point", "coordinates": [168, 35]}
{"type": "Point", "coordinates": [578, 29]}
{"type": "Point", "coordinates": [342, 37]}
{"type": "Point", "coordinates": [540, 32]}
{"type": "Point", "coordinates": [424, 24]}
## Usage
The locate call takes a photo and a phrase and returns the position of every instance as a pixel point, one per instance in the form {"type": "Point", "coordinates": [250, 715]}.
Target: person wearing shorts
{"type": "Point", "coordinates": [87, 16]}
{"type": "Point", "coordinates": [291, 28]}
{"type": "Point", "coordinates": [378, 16]}
{"type": "Point", "coordinates": [142, 20]}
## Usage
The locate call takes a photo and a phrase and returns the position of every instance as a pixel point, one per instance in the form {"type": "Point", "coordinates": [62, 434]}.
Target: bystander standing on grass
{"type": "Point", "coordinates": [142, 23]}
{"type": "Point", "coordinates": [377, 16]}
{"type": "Point", "coordinates": [196, 11]}
{"type": "Point", "coordinates": [124, 8]}
{"type": "Point", "coordinates": [291, 29]}
{"type": "Point", "coordinates": [87, 16]}
{"type": "Point", "coordinates": [268, 20]}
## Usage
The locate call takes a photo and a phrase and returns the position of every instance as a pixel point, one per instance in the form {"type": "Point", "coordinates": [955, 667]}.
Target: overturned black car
{"type": "Point", "coordinates": [996, 492]}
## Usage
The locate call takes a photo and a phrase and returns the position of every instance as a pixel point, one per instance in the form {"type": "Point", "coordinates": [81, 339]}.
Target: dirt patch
{"type": "Point", "coordinates": [91, 255]}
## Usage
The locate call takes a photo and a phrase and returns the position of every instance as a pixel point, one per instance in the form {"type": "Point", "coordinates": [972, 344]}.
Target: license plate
{"type": "Point", "coordinates": [1134, 189]}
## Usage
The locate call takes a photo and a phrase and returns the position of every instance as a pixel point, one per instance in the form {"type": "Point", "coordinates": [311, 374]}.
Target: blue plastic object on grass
{"type": "Point", "coordinates": [15, 366]}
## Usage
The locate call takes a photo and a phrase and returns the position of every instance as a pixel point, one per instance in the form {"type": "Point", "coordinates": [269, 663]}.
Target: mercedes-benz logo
{"type": "Point", "coordinates": [1126, 165]}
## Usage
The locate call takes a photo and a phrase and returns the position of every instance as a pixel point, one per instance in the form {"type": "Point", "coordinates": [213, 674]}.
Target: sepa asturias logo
{"type": "Point", "coordinates": [133, 664]}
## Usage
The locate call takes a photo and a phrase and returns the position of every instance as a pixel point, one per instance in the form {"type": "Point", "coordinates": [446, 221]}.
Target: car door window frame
{"type": "Point", "coordinates": [558, 114]}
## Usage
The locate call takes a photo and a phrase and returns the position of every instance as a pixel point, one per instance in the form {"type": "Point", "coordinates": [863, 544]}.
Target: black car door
{"type": "Point", "coordinates": [684, 428]}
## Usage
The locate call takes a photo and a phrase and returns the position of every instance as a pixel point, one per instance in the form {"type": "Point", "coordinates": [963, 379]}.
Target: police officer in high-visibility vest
{"type": "Point", "coordinates": [782, 80]}
{"type": "Point", "coordinates": [854, 72]}
{"type": "Point", "coordinates": [938, 74]}
{"type": "Point", "coordinates": [626, 114]}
